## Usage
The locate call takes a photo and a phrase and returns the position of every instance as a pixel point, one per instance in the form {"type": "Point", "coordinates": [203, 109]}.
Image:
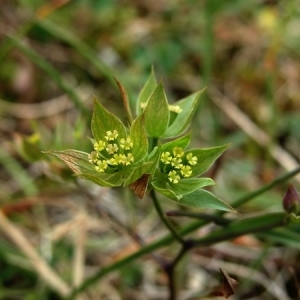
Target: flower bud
{"type": "Point", "coordinates": [291, 200]}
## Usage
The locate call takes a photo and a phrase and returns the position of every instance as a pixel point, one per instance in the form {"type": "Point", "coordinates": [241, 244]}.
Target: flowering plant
{"type": "Point", "coordinates": [135, 156]}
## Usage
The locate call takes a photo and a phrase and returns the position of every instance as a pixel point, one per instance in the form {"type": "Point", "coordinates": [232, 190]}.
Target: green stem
{"type": "Point", "coordinates": [164, 219]}
{"type": "Point", "coordinates": [166, 240]}
{"type": "Point", "coordinates": [240, 227]}
{"type": "Point", "coordinates": [218, 220]}
{"type": "Point", "coordinates": [239, 202]}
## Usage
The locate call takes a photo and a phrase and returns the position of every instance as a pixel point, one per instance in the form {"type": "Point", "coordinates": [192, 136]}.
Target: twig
{"type": "Point", "coordinates": [42, 268]}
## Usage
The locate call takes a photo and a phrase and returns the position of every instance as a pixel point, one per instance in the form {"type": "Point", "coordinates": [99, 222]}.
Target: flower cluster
{"type": "Point", "coordinates": [111, 153]}
{"type": "Point", "coordinates": [177, 164]}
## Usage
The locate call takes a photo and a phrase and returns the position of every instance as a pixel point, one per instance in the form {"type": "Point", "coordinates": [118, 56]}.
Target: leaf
{"type": "Point", "coordinates": [79, 164]}
{"type": "Point", "coordinates": [157, 113]}
{"type": "Point", "coordinates": [139, 138]}
{"type": "Point", "coordinates": [139, 187]}
{"type": "Point", "coordinates": [103, 121]}
{"type": "Point", "coordinates": [183, 119]}
{"type": "Point", "coordinates": [153, 157]}
{"type": "Point", "coordinates": [182, 142]}
{"type": "Point", "coordinates": [146, 91]}
{"type": "Point", "coordinates": [204, 199]}
{"type": "Point", "coordinates": [135, 173]}
{"type": "Point", "coordinates": [164, 191]}
{"type": "Point", "coordinates": [103, 179]}
{"type": "Point", "coordinates": [188, 185]}
{"type": "Point", "coordinates": [206, 157]}
{"type": "Point", "coordinates": [226, 289]}
{"type": "Point", "coordinates": [76, 160]}
{"type": "Point", "coordinates": [125, 100]}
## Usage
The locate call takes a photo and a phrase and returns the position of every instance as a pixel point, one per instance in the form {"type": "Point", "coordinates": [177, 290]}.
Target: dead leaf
{"type": "Point", "coordinates": [139, 187]}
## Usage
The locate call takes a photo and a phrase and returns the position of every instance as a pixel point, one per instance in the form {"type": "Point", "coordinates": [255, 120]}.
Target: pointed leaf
{"type": "Point", "coordinates": [206, 157]}
{"type": "Point", "coordinates": [104, 121]}
{"type": "Point", "coordinates": [76, 160]}
{"type": "Point", "coordinates": [146, 91]}
{"type": "Point", "coordinates": [139, 138]}
{"type": "Point", "coordinates": [125, 100]}
{"type": "Point", "coordinates": [204, 199]}
{"type": "Point", "coordinates": [183, 119]}
{"type": "Point", "coordinates": [188, 185]}
{"type": "Point", "coordinates": [157, 113]}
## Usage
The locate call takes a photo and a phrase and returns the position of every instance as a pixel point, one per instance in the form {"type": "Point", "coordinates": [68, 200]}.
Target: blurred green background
{"type": "Point", "coordinates": [55, 55]}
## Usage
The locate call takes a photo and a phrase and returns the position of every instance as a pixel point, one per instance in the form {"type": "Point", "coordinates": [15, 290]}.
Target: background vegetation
{"type": "Point", "coordinates": [56, 54]}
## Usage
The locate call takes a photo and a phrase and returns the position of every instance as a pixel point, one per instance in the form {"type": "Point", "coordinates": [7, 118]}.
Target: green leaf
{"type": "Point", "coordinates": [136, 173]}
{"type": "Point", "coordinates": [157, 113]}
{"type": "Point", "coordinates": [153, 157]}
{"type": "Point", "coordinates": [125, 100]}
{"type": "Point", "coordinates": [104, 121]}
{"type": "Point", "coordinates": [139, 138]}
{"type": "Point", "coordinates": [76, 160]}
{"type": "Point", "coordinates": [188, 185]}
{"type": "Point", "coordinates": [204, 199]}
{"type": "Point", "coordinates": [183, 119]}
{"type": "Point", "coordinates": [147, 167]}
{"type": "Point", "coordinates": [164, 191]}
{"type": "Point", "coordinates": [182, 142]}
{"type": "Point", "coordinates": [79, 164]}
{"type": "Point", "coordinates": [146, 91]}
{"type": "Point", "coordinates": [206, 157]}
{"type": "Point", "coordinates": [103, 179]}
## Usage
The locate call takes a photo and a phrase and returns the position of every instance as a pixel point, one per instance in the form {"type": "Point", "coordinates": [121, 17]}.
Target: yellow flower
{"type": "Point", "coordinates": [192, 160]}
{"type": "Point", "coordinates": [186, 171]}
{"type": "Point", "coordinates": [112, 148]}
{"type": "Point", "coordinates": [173, 176]}
{"type": "Point", "coordinates": [116, 159]}
{"type": "Point", "coordinates": [126, 144]}
{"type": "Point", "coordinates": [99, 146]}
{"type": "Point", "coordinates": [178, 152]}
{"type": "Point", "coordinates": [166, 157]}
{"type": "Point", "coordinates": [176, 163]}
{"type": "Point", "coordinates": [93, 157]}
{"type": "Point", "coordinates": [111, 135]}
{"type": "Point", "coordinates": [101, 165]}
{"type": "Point", "coordinates": [127, 160]}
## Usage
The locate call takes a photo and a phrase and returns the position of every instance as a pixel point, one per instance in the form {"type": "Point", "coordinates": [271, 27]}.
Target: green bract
{"type": "Point", "coordinates": [163, 120]}
{"type": "Point", "coordinates": [130, 156]}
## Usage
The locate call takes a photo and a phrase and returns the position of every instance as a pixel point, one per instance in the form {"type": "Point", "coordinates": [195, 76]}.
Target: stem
{"type": "Point", "coordinates": [164, 219]}
{"type": "Point", "coordinates": [170, 269]}
{"type": "Point", "coordinates": [218, 220]}
{"type": "Point", "coordinates": [240, 227]}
